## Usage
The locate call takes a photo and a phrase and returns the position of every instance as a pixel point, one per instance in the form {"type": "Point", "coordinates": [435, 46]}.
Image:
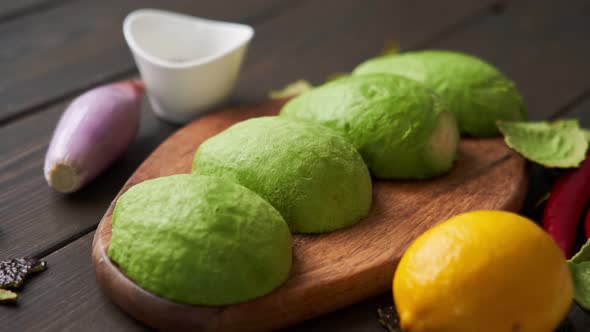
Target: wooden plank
{"type": "Point", "coordinates": [362, 317]}
{"type": "Point", "coordinates": [23, 149]}
{"type": "Point", "coordinates": [69, 289]}
{"type": "Point", "coordinates": [28, 205]}
{"type": "Point", "coordinates": [66, 297]}
{"type": "Point", "coordinates": [53, 204]}
{"type": "Point", "coordinates": [314, 41]}
{"type": "Point", "coordinates": [10, 10]}
{"type": "Point", "coordinates": [34, 218]}
{"type": "Point", "coordinates": [73, 46]}
{"type": "Point", "coordinates": [538, 43]}
{"type": "Point", "coordinates": [580, 112]}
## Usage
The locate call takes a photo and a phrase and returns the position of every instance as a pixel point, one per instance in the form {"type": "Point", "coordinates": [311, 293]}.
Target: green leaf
{"type": "Point", "coordinates": [336, 76]}
{"type": "Point", "coordinates": [586, 133]}
{"type": "Point", "coordinates": [551, 144]}
{"type": "Point", "coordinates": [292, 89]}
{"type": "Point", "coordinates": [581, 278]}
{"type": "Point", "coordinates": [390, 48]}
{"type": "Point", "coordinates": [579, 266]}
{"type": "Point", "coordinates": [7, 296]}
{"type": "Point", "coordinates": [583, 255]}
{"type": "Point", "coordinates": [542, 200]}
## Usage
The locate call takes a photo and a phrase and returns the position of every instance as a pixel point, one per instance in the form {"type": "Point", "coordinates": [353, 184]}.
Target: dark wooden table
{"type": "Point", "coordinates": [54, 49]}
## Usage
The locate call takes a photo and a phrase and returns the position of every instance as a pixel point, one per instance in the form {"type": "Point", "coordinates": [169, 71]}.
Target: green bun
{"type": "Point", "coordinates": [309, 173]}
{"type": "Point", "coordinates": [476, 92]}
{"type": "Point", "coordinates": [400, 128]}
{"type": "Point", "coordinates": [200, 240]}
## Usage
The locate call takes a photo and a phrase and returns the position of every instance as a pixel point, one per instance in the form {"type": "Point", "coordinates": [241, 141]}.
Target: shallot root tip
{"type": "Point", "coordinates": [63, 178]}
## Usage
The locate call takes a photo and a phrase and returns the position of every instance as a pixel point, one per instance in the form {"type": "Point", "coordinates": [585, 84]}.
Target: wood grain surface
{"type": "Point", "coordinates": [66, 49]}
{"type": "Point", "coordinates": [329, 270]}
{"type": "Point", "coordinates": [541, 44]}
{"type": "Point", "coordinates": [538, 45]}
{"type": "Point", "coordinates": [269, 63]}
{"type": "Point", "coordinates": [321, 39]}
{"type": "Point", "coordinates": [10, 10]}
{"type": "Point", "coordinates": [78, 304]}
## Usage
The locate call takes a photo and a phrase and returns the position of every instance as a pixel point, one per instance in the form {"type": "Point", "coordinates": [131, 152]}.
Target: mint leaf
{"type": "Point", "coordinates": [583, 255]}
{"type": "Point", "coordinates": [581, 278]}
{"type": "Point", "coordinates": [551, 144]}
{"type": "Point", "coordinates": [292, 89]}
{"type": "Point", "coordinates": [390, 47]}
{"type": "Point", "coordinates": [579, 266]}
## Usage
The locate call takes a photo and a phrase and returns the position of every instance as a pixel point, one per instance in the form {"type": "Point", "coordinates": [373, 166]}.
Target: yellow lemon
{"type": "Point", "coordinates": [483, 271]}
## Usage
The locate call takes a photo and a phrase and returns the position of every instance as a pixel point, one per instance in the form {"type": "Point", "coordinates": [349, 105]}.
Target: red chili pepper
{"type": "Point", "coordinates": [587, 225]}
{"type": "Point", "coordinates": [566, 204]}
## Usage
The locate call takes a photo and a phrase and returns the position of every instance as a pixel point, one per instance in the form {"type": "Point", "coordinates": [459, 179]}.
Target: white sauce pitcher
{"type": "Point", "coordinates": [188, 64]}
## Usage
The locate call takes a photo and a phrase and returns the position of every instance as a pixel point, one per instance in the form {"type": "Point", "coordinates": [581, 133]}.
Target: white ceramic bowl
{"type": "Point", "coordinates": [188, 64]}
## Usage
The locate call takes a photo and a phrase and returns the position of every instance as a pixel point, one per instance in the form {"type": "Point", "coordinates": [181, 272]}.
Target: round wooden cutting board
{"type": "Point", "coordinates": [330, 270]}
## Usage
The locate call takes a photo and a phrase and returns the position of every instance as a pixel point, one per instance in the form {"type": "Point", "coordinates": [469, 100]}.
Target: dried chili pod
{"type": "Point", "coordinates": [14, 271]}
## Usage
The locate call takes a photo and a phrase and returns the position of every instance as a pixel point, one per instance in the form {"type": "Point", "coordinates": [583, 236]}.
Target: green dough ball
{"type": "Point", "coordinates": [399, 127]}
{"type": "Point", "coordinates": [476, 92]}
{"type": "Point", "coordinates": [200, 240]}
{"type": "Point", "coordinates": [309, 173]}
